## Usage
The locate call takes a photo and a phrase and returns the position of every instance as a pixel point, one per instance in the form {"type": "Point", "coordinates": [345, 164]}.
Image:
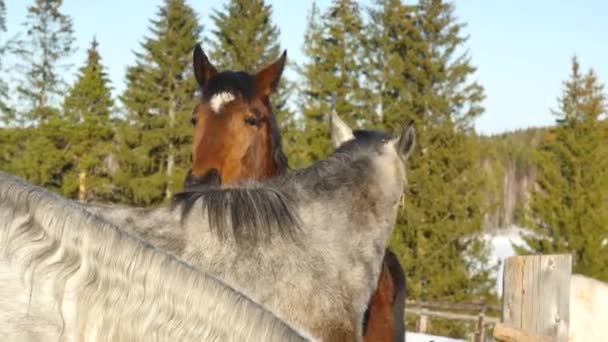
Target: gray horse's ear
{"type": "Point", "coordinates": [340, 132]}
{"type": "Point", "coordinates": [406, 141]}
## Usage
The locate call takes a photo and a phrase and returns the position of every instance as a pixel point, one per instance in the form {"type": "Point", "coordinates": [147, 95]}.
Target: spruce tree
{"type": "Point", "coordinates": [244, 37]}
{"type": "Point", "coordinates": [2, 16]}
{"type": "Point", "coordinates": [39, 152]}
{"type": "Point", "coordinates": [159, 100]}
{"type": "Point", "coordinates": [49, 41]}
{"type": "Point", "coordinates": [333, 47]}
{"type": "Point", "coordinates": [6, 113]}
{"type": "Point", "coordinates": [568, 211]}
{"type": "Point", "coordinates": [391, 46]}
{"type": "Point", "coordinates": [87, 109]}
{"type": "Point", "coordinates": [414, 72]}
{"type": "Point", "coordinates": [12, 144]}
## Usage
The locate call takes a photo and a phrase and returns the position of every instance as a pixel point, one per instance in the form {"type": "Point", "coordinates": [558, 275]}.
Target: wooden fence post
{"type": "Point", "coordinates": [536, 293]}
{"type": "Point", "coordinates": [479, 334]}
{"type": "Point", "coordinates": [421, 321]}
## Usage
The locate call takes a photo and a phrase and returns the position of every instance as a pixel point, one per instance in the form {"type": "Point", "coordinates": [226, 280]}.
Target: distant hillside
{"type": "Point", "coordinates": [507, 159]}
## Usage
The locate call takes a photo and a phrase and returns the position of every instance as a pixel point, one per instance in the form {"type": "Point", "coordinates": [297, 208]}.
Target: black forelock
{"type": "Point", "coordinates": [365, 139]}
{"type": "Point", "coordinates": [371, 135]}
{"type": "Point", "coordinates": [238, 83]}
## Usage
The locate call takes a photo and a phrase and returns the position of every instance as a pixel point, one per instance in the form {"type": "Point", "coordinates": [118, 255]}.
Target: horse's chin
{"type": "Point", "coordinates": [211, 179]}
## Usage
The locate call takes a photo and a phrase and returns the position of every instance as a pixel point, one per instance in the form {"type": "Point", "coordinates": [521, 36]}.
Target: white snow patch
{"type": "Point", "coordinates": [419, 337]}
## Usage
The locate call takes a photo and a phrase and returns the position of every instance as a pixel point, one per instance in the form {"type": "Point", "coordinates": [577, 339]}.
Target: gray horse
{"type": "Point", "coordinates": [309, 244]}
{"type": "Point", "coordinates": [68, 275]}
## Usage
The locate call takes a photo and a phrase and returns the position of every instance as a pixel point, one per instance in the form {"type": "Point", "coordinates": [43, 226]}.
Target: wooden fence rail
{"type": "Point", "coordinates": [473, 312]}
{"type": "Point", "coordinates": [536, 294]}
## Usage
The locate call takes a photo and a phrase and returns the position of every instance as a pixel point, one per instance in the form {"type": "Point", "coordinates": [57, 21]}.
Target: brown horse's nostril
{"type": "Point", "coordinates": [210, 178]}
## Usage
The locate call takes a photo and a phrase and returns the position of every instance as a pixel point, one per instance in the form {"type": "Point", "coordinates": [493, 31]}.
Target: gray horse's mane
{"type": "Point", "coordinates": [257, 210]}
{"type": "Point", "coordinates": [125, 279]}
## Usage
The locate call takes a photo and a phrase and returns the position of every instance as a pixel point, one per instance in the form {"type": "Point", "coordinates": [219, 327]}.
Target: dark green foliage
{"type": "Point", "coordinates": [568, 212]}
{"type": "Point", "coordinates": [38, 153]}
{"type": "Point", "coordinates": [12, 141]}
{"type": "Point", "coordinates": [6, 113]}
{"type": "Point", "coordinates": [244, 37]}
{"type": "Point", "coordinates": [87, 110]}
{"type": "Point", "coordinates": [159, 99]}
{"type": "Point", "coordinates": [390, 46]}
{"type": "Point", "coordinates": [333, 47]}
{"type": "Point", "coordinates": [49, 41]}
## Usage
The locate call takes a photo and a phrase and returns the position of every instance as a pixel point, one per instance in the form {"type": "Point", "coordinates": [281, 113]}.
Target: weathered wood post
{"type": "Point", "coordinates": [479, 334]}
{"type": "Point", "coordinates": [536, 294]}
{"type": "Point", "coordinates": [421, 321]}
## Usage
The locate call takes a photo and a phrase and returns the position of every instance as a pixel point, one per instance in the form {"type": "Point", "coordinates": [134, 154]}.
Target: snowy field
{"type": "Point", "coordinates": [501, 248]}
{"type": "Point", "coordinates": [418, 337]}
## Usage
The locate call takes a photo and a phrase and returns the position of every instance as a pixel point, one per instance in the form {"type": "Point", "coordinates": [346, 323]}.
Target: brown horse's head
{"type": "Point", "coordinates": [235, 132]}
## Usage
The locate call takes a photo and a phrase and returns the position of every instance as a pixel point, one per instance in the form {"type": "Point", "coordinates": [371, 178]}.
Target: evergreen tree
{"type": "Point", "coordinates": [39, 152]}
{"type": "Point", "coordinates": [49, 41]}
{"type": "Point", "coordinates": [87, 109]}
{"type": "Point", "coordinates": [568, 212]}
{"type": "Point", "coordinates": [391, 47]}
{"type": "Point", "coordinates": [414, 71]}
{"type": "Point", "coordinates": [11, 146]}
{"type": "Point", "coordinates": [245, 38]}
{"type": "Point", "coordinates": [2, 16]}
{"type": "Point", "coordinates": [159, 99]}
{"type": "Point", "coordinates": [333, 47]}
{"type": "Point", "coordinates": [6, 112]}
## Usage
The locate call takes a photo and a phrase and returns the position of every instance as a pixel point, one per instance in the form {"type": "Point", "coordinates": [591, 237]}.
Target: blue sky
{"type": "Point", "coordinates": [522, 48]}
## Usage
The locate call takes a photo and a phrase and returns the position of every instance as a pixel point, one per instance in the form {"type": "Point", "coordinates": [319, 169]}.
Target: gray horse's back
{"type": "Point", "coordinates": [68, 275]}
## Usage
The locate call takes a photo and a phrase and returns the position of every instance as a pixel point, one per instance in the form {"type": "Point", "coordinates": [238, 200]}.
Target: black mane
{"type": "Point", "coordinates": [238, 83]}
{"type": "Point", "coordinates": [252, 213]}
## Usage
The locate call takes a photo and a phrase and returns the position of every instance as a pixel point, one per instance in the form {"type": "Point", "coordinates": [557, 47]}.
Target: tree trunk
{"type": "Point", "coordinates": [171, 153]}
{"type": "Point", "coordinates": [170, 165]}
{"type": "Point", "coordinates": [82, 186]}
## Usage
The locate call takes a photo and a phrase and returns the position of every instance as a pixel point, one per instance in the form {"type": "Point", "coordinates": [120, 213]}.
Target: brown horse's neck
{"type": "Point", "coordinates": [384, 318]}
{"type": "Point", "coordinates": [379, 323]}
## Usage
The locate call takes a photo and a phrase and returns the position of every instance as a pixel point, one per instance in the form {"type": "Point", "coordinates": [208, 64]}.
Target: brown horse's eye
{"type": "Point", "coordinates": [252, 120]}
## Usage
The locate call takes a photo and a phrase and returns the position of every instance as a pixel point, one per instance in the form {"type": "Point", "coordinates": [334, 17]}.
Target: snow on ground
{"type": "Point", "coordinates": [500, 244]}
{"type": "Point", "coordinates": [419, 337]}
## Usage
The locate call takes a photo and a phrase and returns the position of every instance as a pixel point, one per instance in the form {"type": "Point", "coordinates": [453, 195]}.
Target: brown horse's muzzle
{"type": "Point", "coordinates": [210, 178]}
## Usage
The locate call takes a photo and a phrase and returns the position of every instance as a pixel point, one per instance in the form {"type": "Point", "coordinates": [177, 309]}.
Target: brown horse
{"type": "Point", "coordinates": [236, 138]}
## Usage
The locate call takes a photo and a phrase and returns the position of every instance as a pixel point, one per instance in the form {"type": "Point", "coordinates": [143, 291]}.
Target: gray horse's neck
{"type": "Point", "coordinates": [340, 243]}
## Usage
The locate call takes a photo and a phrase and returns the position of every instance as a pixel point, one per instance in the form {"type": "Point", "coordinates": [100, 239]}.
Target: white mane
{"type": "Point", "coordinates": [66, 274]}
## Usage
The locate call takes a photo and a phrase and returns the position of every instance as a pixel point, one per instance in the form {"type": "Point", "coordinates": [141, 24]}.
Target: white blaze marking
{"type": "Point", "coordinates": [219, 100]}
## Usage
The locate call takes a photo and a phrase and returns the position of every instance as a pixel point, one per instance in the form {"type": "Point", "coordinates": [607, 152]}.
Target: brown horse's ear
{"type": "Point", "coordinates": [203, 69]}
{"type": "Point", "coordinates": [268, 78]}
